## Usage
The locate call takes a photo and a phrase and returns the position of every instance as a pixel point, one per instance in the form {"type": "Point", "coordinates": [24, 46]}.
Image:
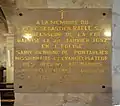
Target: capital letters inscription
{"type": "Point", "coordinates": [66, 50]}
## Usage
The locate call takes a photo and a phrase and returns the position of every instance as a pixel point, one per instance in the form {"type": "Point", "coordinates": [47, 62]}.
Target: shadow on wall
{"type": "Point", "coordinates": [3, 30]}
{"type": "Point", "coordinates": [3, 22]}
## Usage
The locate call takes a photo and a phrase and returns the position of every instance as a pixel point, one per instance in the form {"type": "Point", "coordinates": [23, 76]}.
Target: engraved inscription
{"type": "Point", "coordinates": [65, 53]}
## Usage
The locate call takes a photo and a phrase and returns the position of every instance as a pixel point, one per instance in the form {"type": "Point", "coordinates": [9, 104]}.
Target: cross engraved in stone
{"type": "Point", "coordinates": [61, 14]}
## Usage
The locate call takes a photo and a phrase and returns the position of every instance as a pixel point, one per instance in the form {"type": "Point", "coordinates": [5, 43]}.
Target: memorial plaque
{"type": "Point", "coordinates": [63, 50]}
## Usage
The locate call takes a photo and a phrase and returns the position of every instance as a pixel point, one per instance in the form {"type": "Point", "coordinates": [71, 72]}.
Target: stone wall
{"type": "Point", "coordinates": [82, 99]}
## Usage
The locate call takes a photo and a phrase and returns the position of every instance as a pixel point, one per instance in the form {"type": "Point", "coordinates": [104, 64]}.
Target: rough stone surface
{"type": "Point", "coordinates": [7, 3]}
{"type": "Point", "coordinates": [64, 3]}
{"type": "Point", "coordinates": [79, 3]}
{"type": "Point", "coordinates": [63, 99]}
{"type": "Point", "coordinates": [31, 3]}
